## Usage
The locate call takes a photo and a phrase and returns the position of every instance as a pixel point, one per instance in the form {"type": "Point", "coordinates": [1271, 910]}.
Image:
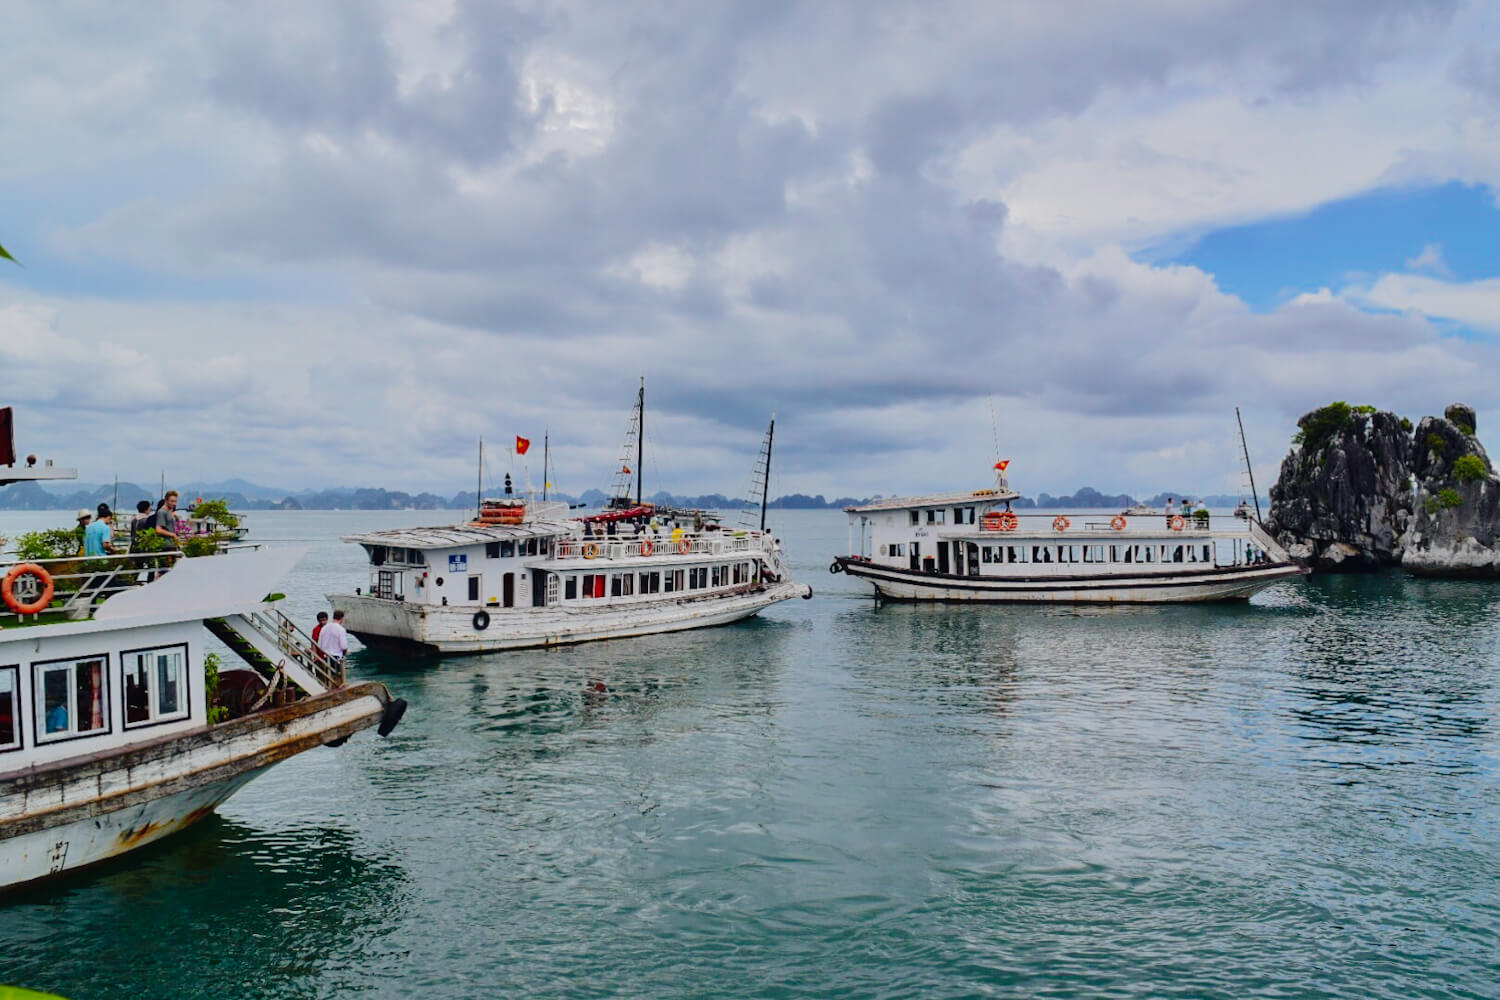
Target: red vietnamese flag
{"type": "Point", "coordinates": [1002, 465]}
{"type": "Point", "coordinates": [522, 444]}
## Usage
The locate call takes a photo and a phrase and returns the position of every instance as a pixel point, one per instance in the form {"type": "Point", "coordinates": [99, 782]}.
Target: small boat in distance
{"type": "Point", "coordinates": [117, 727]}
{"type": "Point", "coordinates": [526, 573]}
{"type": "Point", "coordinates": [970, 546]}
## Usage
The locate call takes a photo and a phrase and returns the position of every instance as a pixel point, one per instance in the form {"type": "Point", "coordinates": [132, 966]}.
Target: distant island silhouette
{"type": "Point", "coordinates": [245, 496]}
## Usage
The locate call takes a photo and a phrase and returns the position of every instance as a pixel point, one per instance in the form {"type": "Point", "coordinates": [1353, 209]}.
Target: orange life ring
{"type": "Point", "coordinates": [1177, 523]}
{"type": "Point", "coordinates": [590, 550]}
{"type": "Point", "coordinates": [1117, 522]}
{"type": "Point", "coordinates": [992, 520]}
{"type": "Point", "coordinates": [1060, 523]}
{"type": "Point", "coordinates": [1009, 521]}
{"type": "Point", "coordinates": [646, 547]}
{"type": "Point", "coordinates": [8, 589]}
{"type": "Point", "coordinates": [684, 546]}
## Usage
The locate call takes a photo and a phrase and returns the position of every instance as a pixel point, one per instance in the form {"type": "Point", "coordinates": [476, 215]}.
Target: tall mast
{"type": "Point", "coordinates": [640, 439]}
{"type": "Point", "coordinates": [1246, 449]}
{"type": "Point", "coordinates": [765, 490]}
{"type": "Point", "coordinates": [545, 452]}
{"type": "Point", "coordinates": [479, 483]}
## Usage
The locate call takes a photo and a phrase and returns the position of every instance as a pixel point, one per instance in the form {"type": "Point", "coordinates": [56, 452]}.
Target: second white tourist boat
{"type": "Point", "coordinates": [971, 546]}
{"type": "Point", "coordinates": [524, 573]}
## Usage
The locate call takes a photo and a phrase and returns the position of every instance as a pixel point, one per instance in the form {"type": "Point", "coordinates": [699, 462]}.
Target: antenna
{"type": "Point", "coordinates": [1246, 449]}
{"type": "Point", "coordinates": [479, 483]}
{"type": "Point", "coordinates": [546, 451]}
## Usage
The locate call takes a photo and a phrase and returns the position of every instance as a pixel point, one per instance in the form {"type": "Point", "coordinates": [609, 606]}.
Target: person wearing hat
{"type": "Point", "coordinates": [98, 537]}
{"type": "Point", "coordinates": [84, 517]}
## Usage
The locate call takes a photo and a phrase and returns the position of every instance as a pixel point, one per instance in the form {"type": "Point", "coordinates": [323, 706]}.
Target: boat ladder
{"type": "Point", "coordinates": [270, 641]}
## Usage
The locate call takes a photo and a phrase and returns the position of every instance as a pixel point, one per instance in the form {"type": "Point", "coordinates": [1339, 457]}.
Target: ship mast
{"type": "Point", "coordinates": [640, 440]}
{"type": "Point", "coordinates": [1251, 472]}
{"type": "Point", "coordinates": [765, 489]}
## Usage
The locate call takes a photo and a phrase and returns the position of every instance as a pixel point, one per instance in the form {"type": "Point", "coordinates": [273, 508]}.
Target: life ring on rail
{"type": "Point", "coordinates": [590, 550]}
{"type": "Point", "coordinates": [481, 620]}
{"type": "Point", "coordinates": [1009, 521]}
{"type": "Point", "coordinates": [992, 520]}
{"type": "Point", "coordinates": [1117, 522]}
{"type": "Point", "coordinates": [646, 547]}
{"type": "Point", "coordinates": [684, 547]}
{"type": "Point", "coordinates": [41, 596]}
{"type": "Point", "coordinates": [1060, 523]}
{"type": "Point", "coordinates": [1177, 523]}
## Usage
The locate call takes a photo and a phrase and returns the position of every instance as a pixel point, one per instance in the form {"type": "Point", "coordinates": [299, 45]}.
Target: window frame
{"type": "Point", "coordinates": [38, 695]}
{"type": "Point", "coordinates": [186, 696]}
{"type": "Point", "coordinates": [18, 717]}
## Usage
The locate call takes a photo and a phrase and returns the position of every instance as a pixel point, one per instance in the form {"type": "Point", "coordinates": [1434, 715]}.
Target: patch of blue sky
{"type": "Point", "coordinates": [1351, 241]}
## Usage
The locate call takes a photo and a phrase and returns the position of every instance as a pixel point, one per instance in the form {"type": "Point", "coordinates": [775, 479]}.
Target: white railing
{"type": "Point", "coordinates": [71, 587]}
{"type": "Point", "coordinates": [647, 546]}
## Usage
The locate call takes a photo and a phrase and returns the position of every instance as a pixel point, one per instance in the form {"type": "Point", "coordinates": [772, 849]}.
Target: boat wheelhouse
{"type": "Point", "coordinates": [525, 574]}
{"type": "Point", "coordinates": [971, 546]}
{"type": "Point", "coordinates": [116, 729]}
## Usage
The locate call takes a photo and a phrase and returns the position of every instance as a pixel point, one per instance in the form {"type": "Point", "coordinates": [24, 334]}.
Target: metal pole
{"type": "Point", "coordinates": [1246, 449]}
{"type": "Point", "coordinates": [765, 485]}
{"type": "Point", "coordinates": [479, 485]}
{"type": "Point", "coordinates": [546, 450]}
{"type": "Point", "coordinates": [640, 440]}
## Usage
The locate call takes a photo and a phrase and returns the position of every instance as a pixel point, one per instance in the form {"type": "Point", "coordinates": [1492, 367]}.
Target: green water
{"type": "Point", "coordinates": [1295, 797]}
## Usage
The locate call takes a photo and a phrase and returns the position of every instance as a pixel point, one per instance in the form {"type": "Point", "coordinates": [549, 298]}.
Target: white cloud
{"type": "Point", "coordinates": [1473, 303]}
{"type": "Point", "coordinates": [1430, 260]}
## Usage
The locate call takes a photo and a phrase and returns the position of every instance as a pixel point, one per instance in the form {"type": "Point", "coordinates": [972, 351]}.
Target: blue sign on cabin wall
{"type": "Point", "coordinates": [458, 564]}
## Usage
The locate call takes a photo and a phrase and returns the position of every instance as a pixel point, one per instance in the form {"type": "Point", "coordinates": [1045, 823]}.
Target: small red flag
{"type": "Point", "coordinates": [522, 444]}
{"type": "Point", "coordinates": [1002, 465]}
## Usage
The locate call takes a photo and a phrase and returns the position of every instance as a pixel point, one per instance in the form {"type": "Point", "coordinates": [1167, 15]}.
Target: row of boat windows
{"type": "Point", "coordinates": [1080, 553]}
{"type": "Point", "coordinates": [582, 586]}
{"type": "Point", "coordinates": [395, 555]}
{"type": "Point", "coordinates": [70, 698]}
{"type": "Point", "coordinates": [939, 515]}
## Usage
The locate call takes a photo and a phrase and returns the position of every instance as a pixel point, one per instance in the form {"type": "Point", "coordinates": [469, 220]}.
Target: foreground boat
{"type": "Point", "coordinates": [525, 574]}
{"type": "Point", "coordinates": [970, 546]}
{"type": "Point", "coordinates": [115, 728]}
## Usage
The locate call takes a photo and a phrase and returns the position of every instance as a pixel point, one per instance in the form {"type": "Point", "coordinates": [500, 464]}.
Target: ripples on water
{"type": "Point", "coordinates": [1291, 798]}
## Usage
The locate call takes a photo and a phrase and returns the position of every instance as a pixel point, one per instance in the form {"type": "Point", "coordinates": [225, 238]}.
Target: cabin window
{"type": "Point", "coordinates": [543, 545]}
{"type": "Point", "coordinates": [741, 572]}
{"type": "Point", "coordinates": [588, 584]}
{"type": "Point", "coordinates": [10, 708]}
{"type": "Point", "coordinates": [1207, 554]}
{"type": "Point", "coordinates": [570, 588]}
{"type": "Point", "coordinates": [1041, 553]}
{"type": "Point", "coordinates": [698, 577]}
{"type": "Point", "coordinates": [71, 698]}
{"type": "Point", "coordinates": [474, 588]}
{"type": "Point", "coordinates": [507, 549]}
{"type": "Point", "coordinates": [937, 517]}
{"type": "Point", "coordinates": [155, 684]}
{"type": "Point", "coordinates": [492, 550]}
{"type": "Point", "coordinates": [916, 517]}
{"type": "Point", "coordinates": [650, 583]}
{"type": "Point", "coordinates": [986, 554]}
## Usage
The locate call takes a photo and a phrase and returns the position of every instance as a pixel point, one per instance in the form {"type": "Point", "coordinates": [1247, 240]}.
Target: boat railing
{"type": "Point", "coordinates": [70, 588]}
{"type": "Point", "coordinates": [646, 546]}
{"type": "Point", "coordinates": [298, 645]}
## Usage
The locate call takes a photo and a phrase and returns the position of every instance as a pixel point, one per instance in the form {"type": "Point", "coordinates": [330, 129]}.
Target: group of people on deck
{"type": "Point", "coordinates": [98, 532]}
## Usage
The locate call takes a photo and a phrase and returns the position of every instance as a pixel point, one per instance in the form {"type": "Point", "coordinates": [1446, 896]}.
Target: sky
{"type": "Point", "coordinates": [331, 243]}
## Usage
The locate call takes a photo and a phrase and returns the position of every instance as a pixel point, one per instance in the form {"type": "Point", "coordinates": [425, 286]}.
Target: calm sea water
{"type": "Point", "coordinates": [1295, 797]}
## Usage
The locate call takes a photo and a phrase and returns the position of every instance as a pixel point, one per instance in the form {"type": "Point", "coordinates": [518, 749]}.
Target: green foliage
{"type": "Point", "coordinates": [1469, 468]}
{"type": "Point", "coordinates": [53, 543]}
{"type": "Point", "coordinates": [1435, 443]}
{"type": "Point", "coordinates": [1406, 425]}
{"type": "Point", "coordinates": [217, 511]}
{"type": "Point", "coordinates": [150, 541]}
{"type": "Point", "coordinates": [1364, 410]}
{"type": "Point", "coordinates": [6, 254]}
{"type": "Point", "coordinates": [1432, 505]}
{"type": "Point", "coordinates": [1466, 428]}
{"type": "Point", "coordinates": [1317, 427]}
{"type": "Point", "coordinates": [216, 713]}
{"type": "Point", "coordinates": [1201, 515]}
{"type": "Point", "coordinates": [201, 545]}
{"type": "Point", "coordinates": [274, 597]}
{"type": "Point", "coordinates": [1450, 498]}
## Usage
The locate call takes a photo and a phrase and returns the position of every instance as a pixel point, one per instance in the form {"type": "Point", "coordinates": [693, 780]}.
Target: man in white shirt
{"type": "Point", "coordinates": [333, 640]}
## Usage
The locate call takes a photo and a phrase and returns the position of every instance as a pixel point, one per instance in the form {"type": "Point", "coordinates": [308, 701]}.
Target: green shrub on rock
{"type": "Point", "coordinates": [1450, 498]}
{"type": "Point", "coordinates": [1406, 425]}
{"type": "Point", "coordinates": [1469, 469]}
{"type": "Point", "coordinates": [1435, 443]}
{"type": "Point", "coordinates": [1317, 427]}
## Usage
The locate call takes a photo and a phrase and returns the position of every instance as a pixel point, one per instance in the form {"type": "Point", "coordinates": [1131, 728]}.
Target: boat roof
{"type": "Point", "coordinates": [935, 500]}
{"type": "Point", "coordinates": [457, 535]}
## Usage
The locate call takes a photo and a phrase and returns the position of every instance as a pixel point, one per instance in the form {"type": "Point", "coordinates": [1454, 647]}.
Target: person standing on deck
{"type": "Point", "coordinates": [140, 523]}
{"type": "Point", "coordinates": [333, 640]}
{"type": "Point", "coordinates": [98, 537]}
{"type": "Point", "coordinates": [164, 523]}
{"type": "Point", "coordinates": [318, 628]}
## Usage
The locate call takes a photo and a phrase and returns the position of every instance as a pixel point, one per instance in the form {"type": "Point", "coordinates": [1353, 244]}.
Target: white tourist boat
{"type": "Point", "coordinates": [525, 573]}
{"type": "Point", "coordinates": [971, 546]}
{"type": "Point", "coordinates": [106, 738]}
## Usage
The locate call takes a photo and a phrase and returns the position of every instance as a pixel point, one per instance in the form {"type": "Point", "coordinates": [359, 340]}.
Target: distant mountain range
{"type": "Point", "coordinates": [242, 495]}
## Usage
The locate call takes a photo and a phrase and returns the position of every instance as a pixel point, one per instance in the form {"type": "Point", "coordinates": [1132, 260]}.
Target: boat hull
{"type": "Point", "coordinates": [66, 816]}
{"type": "Point", "coordinates": [1180, 587]}
{"type": "Point", "coordinates": [449, 630]}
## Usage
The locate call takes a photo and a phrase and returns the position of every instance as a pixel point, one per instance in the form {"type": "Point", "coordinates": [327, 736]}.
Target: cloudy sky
{"type": "Point", "coordinates": [333, 243]}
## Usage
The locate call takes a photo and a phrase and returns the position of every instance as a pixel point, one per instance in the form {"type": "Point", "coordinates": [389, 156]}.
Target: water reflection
{"type": "Point", "coordinates": [287, 910]}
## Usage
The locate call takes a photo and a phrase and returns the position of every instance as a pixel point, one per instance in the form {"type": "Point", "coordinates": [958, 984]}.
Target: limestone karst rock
{"type": "Point", "coordinates": [1361, 490]}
